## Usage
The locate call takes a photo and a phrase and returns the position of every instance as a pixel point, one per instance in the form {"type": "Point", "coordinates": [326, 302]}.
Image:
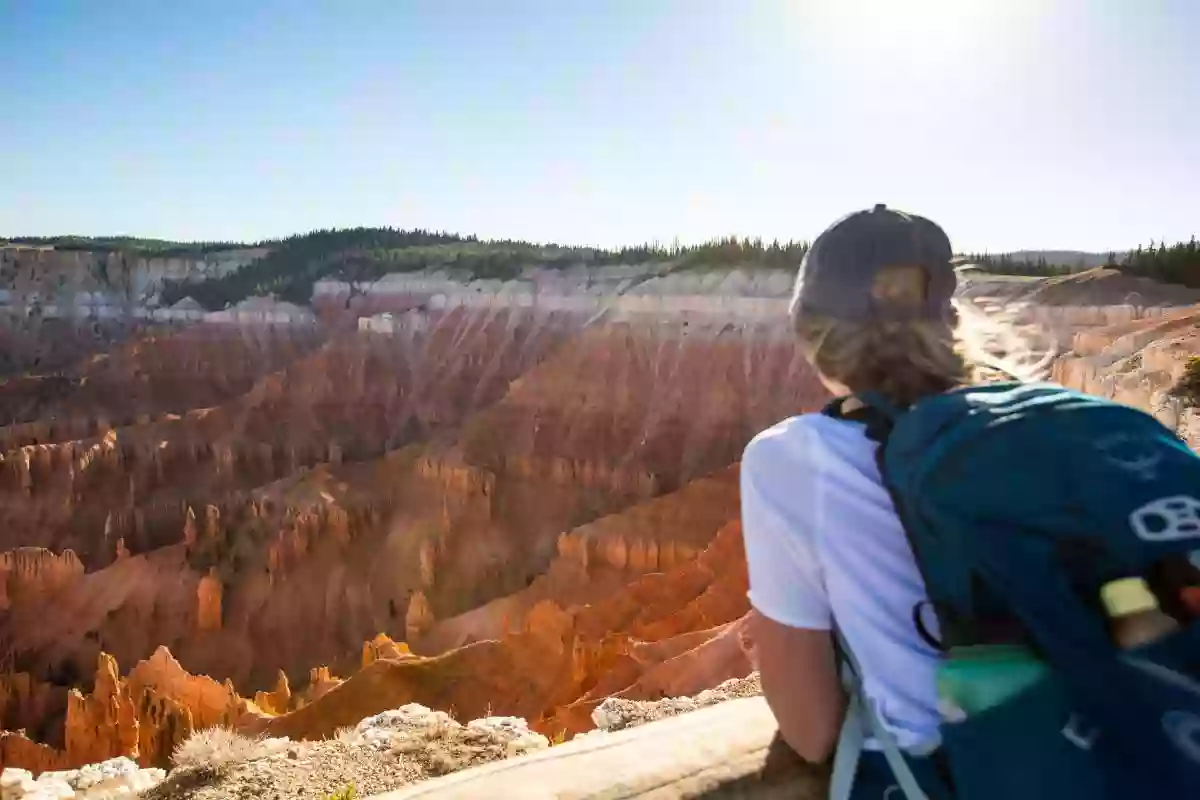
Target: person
{"type": "Point", "coordinates": [872, 309]}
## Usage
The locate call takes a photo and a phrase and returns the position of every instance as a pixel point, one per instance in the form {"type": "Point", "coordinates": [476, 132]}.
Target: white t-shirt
{"type": "Point", "coordinates": [823, 542]}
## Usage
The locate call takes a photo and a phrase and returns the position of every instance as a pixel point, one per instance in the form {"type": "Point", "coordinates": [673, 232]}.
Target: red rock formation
{"type": "Point", "coordinates": [383, 647]}
{"type": "Point", "coordinates": [666, 633]}
{"type": "Point", "coordinates": [355, 397]}
{"type": "Point", "coordinates": [598, 559]}
{"type": "Point", "coordinates": [29, 574]}
{"type": "Point", "coordinates": [485, 483]}
{"type": "Point", "coordinates": [143, 716]}
{"type": "Point", "coordinates": [669, 634]}
{"type": "Point", "coordinates": [208, 602]}
{"type": "Point", "coordinates": [156, 374]}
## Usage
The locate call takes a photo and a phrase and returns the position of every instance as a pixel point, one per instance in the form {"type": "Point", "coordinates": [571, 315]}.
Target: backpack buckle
{"type": "Point", "coordinates": [1081, 739]}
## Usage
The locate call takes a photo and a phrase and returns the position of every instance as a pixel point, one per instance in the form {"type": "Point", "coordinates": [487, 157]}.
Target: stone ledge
{"type": "Point", "coordinates": [728, 750]}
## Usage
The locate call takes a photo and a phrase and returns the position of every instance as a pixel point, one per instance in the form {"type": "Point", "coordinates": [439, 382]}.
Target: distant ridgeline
{"type": "Point", "coordinates": [366, 254]}
{"type": "Point", "coordinates": [1177, 263]}
{"type": "Point", "coordinates": [1041, 263]}
{"type": "Point", "coordinates": [148, 248]}
{"type": "Point", "coordinates": [355, 255]}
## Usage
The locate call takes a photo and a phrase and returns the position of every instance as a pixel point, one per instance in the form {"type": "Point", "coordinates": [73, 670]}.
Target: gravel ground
{"type": "Point", "coordinates": [306, 770]}
{"type": "Point", "coordinates": [616, 713]}
{"type": "Point", "coordinates": [386, 752]}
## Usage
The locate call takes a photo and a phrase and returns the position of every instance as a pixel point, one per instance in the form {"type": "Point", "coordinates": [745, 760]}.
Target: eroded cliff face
{"type": "Point", "coordinates": [46, 276]}
{"type": "Point", "coordinates": [29, 574]}
{"type": "Point", "coordinates": [159, 373]}
{"type": "Point", "coordinates": [446, 501]}
{"type": "Point", "coordinates": [662, 634]}
{"type": "Point", "coordinates": [354, 397]}
{"type": "Point", "coordinates": [31, 349]}
{"type": "Point", "coordinates": [1126, 339]}
{"type": "Point", "coordinates": [1140, 363]}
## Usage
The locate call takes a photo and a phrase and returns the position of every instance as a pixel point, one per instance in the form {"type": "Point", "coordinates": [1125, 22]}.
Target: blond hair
{"type": "Point", "coordinates": [902, 360]}
{"type": "Point", "coordinates": [904, 357]}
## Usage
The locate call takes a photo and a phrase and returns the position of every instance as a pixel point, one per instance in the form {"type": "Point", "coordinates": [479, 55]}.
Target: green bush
{"type": "Point", "coordinates": [1188, 387]}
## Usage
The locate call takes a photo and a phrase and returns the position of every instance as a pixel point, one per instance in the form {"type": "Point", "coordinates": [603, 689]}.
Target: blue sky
{"type": "Point", "coordinates": [1013, 123]}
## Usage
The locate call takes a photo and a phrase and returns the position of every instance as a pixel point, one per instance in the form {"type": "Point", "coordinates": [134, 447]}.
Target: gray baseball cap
{"type": "Point", "coordinates": [837, 276]}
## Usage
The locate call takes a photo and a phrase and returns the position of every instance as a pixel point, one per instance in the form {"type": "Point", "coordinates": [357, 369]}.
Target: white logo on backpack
{"type": "Point", "coordinates": [1167, 519]}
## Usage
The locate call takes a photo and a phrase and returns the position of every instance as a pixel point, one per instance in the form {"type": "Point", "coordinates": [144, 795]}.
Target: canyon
{"type": "Point", "coordinates": [220, 524]}
{"type": "Point", "coordinates": [484, 506]}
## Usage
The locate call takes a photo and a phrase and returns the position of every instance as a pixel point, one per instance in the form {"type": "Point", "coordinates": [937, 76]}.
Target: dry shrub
{"type": "Point", "coordinates": [440, 762]}
{"type": "Point", "coordinates": [347, 735]}
{"type": "Point", "coordinates": [214, 747]}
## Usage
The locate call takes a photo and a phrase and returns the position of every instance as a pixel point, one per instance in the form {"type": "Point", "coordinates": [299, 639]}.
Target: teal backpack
{"type": "Point", "coordinates": [1021, 503]}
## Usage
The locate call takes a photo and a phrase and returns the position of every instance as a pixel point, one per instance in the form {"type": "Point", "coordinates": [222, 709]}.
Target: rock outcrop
{"type": "Point", "coordinates": [29, 574]}
{"type": "Point", "coordinates": [1140, 363]}
{"type": "Point", "coordinates": [662, 635]}
{"type": "Point", "coordinates": [142, 716]}
{"type": "Point", "coordinates": [1126, 339]}
{"type": "Point", "coordinates": [45, 276]}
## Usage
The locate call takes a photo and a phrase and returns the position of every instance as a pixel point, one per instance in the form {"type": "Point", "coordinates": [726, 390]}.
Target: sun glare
{"type": "Point", "coordinates": [911, 31]}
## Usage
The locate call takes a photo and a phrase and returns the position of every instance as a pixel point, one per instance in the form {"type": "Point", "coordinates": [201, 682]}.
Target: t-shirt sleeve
{"type": "Point", "coordinates": [779, 483]}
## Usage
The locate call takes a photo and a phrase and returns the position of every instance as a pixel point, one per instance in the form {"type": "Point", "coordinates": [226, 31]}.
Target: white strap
{"type": "Point", "coordinates": [849, 747]}
{"type": "Point", "coordinates": [845, 765]}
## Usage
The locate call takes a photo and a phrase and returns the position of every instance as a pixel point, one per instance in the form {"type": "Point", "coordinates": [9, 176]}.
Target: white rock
{"type": "Point", "coordinates": [380, 731]}
{"type": "Point", "coordinates": [411, 716]}
{"type": "Point", "coordinates": [600, 717]}
{"type": "Point", "coordinates": [108, 780]}
{"type": "Point", "coordinates": [512, 731]}
{"type": "Point", "coordinates": [54, 787]}
{"type": "Point", "coordinates": [12, 776]}
{"type": "Point", "coordinates": [504, 726]}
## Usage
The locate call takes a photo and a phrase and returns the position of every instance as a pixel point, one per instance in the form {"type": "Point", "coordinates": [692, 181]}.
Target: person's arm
{"type": "Point", "coordinates": [800, 681]}
{"type": "Point", "coordinates": [791, 622]}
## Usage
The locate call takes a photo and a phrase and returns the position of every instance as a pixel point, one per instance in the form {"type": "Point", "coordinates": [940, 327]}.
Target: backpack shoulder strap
{"type": "Point", "coordinates": [869, 408]}
{"type": "Point", "coordinates": [880, 417]}
{"type": "Point", "coordinates": [860, 717]}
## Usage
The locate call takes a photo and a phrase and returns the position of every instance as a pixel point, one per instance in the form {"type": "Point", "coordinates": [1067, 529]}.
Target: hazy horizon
{"type": "Point", "coordinates": [1021, 251]}
{"type": "Point", "coordinates": [1015, 126]}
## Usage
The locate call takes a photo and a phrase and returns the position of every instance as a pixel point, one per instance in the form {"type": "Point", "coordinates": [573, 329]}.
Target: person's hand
{"type": "Point", "coordinates": [746, 639]}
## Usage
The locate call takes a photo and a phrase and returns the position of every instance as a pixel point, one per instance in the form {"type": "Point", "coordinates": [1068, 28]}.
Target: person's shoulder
{"type": "Point", "coordinates": [789, 440]}
{"type": "Point", "coordinates": [799, 440]}
{"type": "Point", "coordinates": [803, 428]}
